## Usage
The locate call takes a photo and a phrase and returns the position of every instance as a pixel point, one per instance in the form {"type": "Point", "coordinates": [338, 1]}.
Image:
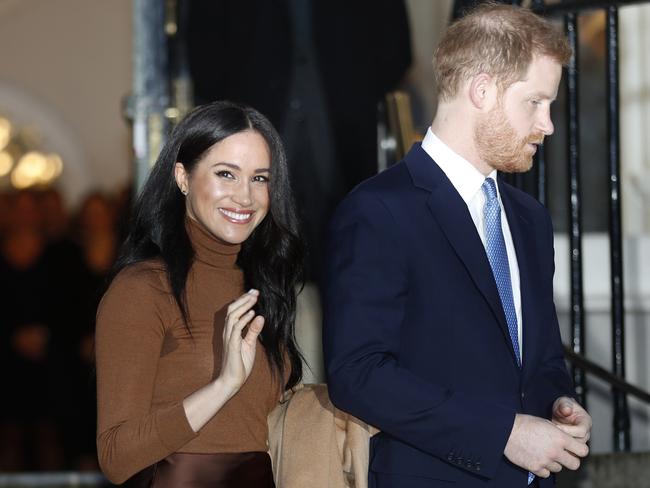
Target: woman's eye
{"type": "Point", "coordinates": [261, 179]}
{"type": "Point", "coordinates": [224, 174]}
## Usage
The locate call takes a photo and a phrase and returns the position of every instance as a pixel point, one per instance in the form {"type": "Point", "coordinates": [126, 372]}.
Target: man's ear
{"type": "Point", "coordinates": [482, 91]}
{"type": "Point", "coordinates": [181, 177]}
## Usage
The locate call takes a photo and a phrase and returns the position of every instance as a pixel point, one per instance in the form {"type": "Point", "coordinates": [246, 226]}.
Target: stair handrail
{"type": "Point", "coordinates": [617, 382]}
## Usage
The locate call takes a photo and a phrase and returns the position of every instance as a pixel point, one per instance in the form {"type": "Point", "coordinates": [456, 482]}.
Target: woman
{"type": "Point", "coordinates": [188, 364]}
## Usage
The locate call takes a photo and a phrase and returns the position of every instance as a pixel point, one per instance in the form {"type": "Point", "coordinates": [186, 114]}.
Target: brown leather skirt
{"type": "Point", "coordinates": [228, 470]}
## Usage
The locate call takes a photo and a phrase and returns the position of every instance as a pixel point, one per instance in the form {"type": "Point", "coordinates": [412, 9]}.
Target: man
{"type": "Point", "coordinates": [440, 327]}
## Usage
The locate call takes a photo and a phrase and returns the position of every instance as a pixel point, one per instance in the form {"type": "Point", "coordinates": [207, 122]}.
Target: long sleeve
{"type": "Point", "coordinates": [551, 380]}
{"type": "Point", "coordinates": [366, 304]}
{"type": "Point", "coordinates": [130, 331]}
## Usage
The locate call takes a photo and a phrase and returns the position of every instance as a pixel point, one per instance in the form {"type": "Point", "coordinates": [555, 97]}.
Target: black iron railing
{"type": "Point", "coordinates": [575, 214]}
{"type": "Point", "coordinates": [621, 417]}
{"type": "Point", "coordinates": [576, 352]}
{"type": "Point", "coordinates": [576, 6]}
{"type": "Point", "coordinates": [599, 372]}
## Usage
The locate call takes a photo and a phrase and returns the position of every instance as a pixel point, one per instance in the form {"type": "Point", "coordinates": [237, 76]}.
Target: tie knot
{"type": "Point", "coordinates": [489, 188]}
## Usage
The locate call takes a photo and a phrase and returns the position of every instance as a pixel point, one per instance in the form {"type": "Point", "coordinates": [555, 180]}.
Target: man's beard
{"type": "Point", "coordinates": [499, 146]}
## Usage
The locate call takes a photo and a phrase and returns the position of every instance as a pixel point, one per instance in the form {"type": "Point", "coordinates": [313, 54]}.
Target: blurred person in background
{"type": "Point", "coordinates": [62, 261]}
{"type": "Point", "coordinates": [5, 209]}
{"type": "Point", "coordinates": [94, 236]}
{"type": "Point", "coordinates": [54, 221]}
{"type": "Point", "coordinates": [30, 438]}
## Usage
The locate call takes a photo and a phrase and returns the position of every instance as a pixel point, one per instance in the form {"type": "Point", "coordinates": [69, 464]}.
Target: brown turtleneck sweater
{"type": "Point", "coordinates": [147, 363]}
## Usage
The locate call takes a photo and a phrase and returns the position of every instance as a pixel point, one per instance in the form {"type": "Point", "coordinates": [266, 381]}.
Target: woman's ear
{"type": "Point", "coordinates": [181, 177]}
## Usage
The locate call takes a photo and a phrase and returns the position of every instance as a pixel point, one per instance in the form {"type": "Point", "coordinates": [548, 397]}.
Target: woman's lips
{"type": "Point", "coordinates": [237, 216]}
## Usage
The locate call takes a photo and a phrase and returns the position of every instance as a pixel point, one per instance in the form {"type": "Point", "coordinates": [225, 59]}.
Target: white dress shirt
{"type": "Point", "coordinates": [467, 181]}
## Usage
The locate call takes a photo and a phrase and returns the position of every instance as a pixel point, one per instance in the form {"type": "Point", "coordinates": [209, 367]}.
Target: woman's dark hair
{"type": "Point", "coordinates": [271, 258]}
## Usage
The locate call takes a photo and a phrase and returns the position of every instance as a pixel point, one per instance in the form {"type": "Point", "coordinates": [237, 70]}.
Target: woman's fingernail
{"type": "Point", "coordinates": [252, 291]}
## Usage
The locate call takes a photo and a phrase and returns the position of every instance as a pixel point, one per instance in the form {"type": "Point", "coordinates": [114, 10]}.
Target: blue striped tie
{"type": "Point", "coordinates": [497, 254]}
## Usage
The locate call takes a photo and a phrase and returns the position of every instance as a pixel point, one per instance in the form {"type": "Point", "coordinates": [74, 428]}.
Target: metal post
{"type": "Point", "coordinates": [621, 411]}
{"type": "Point", "coordinates": [150, 88]}
{"type": "Point", "coordinates": [181, 92]}
{"type": "Point", "coordinates": [575, 213]}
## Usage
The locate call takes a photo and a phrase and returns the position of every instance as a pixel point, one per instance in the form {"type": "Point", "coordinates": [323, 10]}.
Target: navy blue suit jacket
{"type": "Point", "coordinates": [415, 338]}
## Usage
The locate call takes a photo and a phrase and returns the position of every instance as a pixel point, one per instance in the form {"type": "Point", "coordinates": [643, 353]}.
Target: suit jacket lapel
{"type": "Point", "coordinates": [525, 250]}
{"type": "Point", "coordinates": [453, 217]}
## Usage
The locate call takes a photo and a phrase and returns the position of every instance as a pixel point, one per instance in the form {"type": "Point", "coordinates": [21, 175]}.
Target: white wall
{"type": "Point", "coordinates": [598, 347]}
{"type": "Point", "coordinates": [64, 67]}
{"type": "Point", "coordinates": [635, 117]}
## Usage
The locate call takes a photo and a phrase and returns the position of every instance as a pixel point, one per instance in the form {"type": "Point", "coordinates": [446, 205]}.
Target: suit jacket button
{"type": "Point", "coordinates": [523, 395]}
{"type": "Point", "coordinates": [450, 457]}
{"type": "Point", "coordinates": [477, 466]}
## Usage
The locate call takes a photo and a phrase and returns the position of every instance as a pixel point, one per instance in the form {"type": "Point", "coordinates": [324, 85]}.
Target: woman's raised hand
{"type": "Point", "coordinates": [236, 362]}
{"type": "Point", "coordinates": [239, 352]}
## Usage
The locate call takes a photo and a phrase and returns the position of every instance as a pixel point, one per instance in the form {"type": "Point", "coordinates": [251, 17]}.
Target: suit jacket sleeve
{"type": "Point", "coordinates": [551, 379]}
{"type": "Point", "coordinates": [366, 298]}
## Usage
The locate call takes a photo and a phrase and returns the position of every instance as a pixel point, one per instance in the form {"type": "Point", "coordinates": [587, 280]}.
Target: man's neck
{"type": "Point", "coordinates": [454, 125]}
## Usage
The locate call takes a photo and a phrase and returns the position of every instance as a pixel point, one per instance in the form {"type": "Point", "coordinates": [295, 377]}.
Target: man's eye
{"type": "Point", "coordinates": [536, 102]}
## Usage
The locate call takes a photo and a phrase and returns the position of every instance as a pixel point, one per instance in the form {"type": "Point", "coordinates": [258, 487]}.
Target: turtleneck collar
{"type": "Point", "coordinates": [209, 249]}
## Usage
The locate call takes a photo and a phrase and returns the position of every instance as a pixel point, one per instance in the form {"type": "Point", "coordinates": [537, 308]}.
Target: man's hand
{"type": "Point", "coordinates": [540, 447]}
{"type": "Point", "coordinates": [572, 419]}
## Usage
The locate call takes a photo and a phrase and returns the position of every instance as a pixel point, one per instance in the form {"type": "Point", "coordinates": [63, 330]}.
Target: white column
{"type": "Point", "coordinates": [634, 41]}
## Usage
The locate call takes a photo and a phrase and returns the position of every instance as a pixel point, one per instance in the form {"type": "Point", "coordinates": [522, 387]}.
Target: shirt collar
{"type": "Point", "coordinates": [465, 178]}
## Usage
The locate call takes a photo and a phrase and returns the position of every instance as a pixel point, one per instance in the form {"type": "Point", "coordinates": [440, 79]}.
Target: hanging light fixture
{"type": "Point", "coordinates": [22, 163]}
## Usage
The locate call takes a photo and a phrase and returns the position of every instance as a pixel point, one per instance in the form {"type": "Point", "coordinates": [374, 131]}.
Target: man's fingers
{"type": "Point", "coordinates": [576, 431]}
{"type": "Point", "coordinates": [554, 467]}
{"type": "Point", "coordinates": [542, 473]}
{"type": "Point", "coordinates": [577, 448]}
{"type": "Point", "coordinates": [563, 407]}
{"type": "Point", "coordinates": [566, 408]}
{"type": "Point", "coordinates": [569, 461]}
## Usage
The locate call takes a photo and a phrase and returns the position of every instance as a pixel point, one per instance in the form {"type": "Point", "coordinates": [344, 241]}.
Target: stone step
{"type": "Point", "coordinates": [617, 470]}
